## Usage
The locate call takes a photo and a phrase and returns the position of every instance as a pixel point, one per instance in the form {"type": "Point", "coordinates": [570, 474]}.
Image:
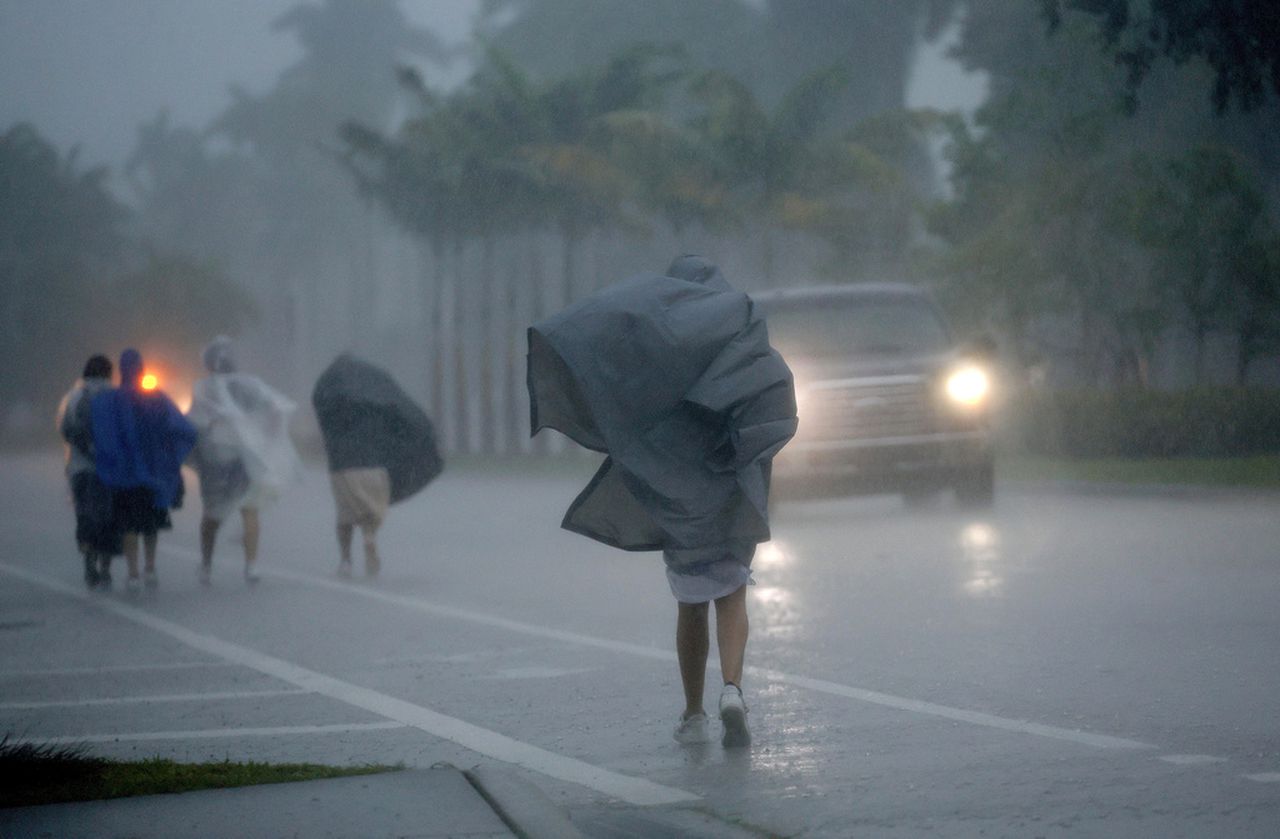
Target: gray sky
{"type": "Point", "coordinates": [90, 71]}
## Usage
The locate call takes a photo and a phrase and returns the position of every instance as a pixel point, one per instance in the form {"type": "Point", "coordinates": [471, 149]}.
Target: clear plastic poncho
{"type": "Point", "coordinates": [244, 455]}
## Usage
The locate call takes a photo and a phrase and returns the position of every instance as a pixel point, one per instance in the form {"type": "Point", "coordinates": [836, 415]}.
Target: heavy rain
{"type": "Point", "coordinates": [699, 418]}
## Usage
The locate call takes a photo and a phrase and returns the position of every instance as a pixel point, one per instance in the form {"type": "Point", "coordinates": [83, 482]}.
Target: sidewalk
{"type": "Point", "coordinates": [437, 802]}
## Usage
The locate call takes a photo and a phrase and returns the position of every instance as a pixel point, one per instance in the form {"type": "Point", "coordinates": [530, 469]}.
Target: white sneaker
{"type": "Point", "coordinates": [733, 714]}
{"type": "Point", "coordinates": [251, 576]}
{"type": "Point", "coordinates": [691, 731]}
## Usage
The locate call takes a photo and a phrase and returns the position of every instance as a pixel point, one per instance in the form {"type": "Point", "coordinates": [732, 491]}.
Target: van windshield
{"type": "Point", "coordinates": [826, 328]}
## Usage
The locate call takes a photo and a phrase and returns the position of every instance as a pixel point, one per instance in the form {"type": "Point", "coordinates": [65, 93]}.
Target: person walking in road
{"type": "Point", "coordinates": [244, 455]}
{"type": "Point", "coordinates": [673, 378]}
{"type": "Point", "coordinates": [97, 532]}
{"type": "Point", "coordinates": [381, 449]}
{"type": "Point", "coordinates": [140, 440]}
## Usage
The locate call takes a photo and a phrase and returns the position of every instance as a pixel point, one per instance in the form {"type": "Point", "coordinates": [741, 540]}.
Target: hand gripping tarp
{"type": "Point", "coordinates": [367, 420]}
{"type": "Point", "coordinates": [675, 381]}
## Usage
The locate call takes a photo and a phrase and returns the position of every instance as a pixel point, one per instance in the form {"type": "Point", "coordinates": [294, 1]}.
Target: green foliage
{"type": "Point", "coordinates": [1137, 422]}
{"type": "Point", "coordinates": [506, 152]}
{"type": "Point", "coordinates": [35, 775]}
{"type": "Point", "coordinates": [1123, 228]}
{"type": "Point", "coordinates": [1239, 39]}
{"type": "Point", "coordinates": [554, 39]}
{"type": "Point", "coordinates": [61, 235]}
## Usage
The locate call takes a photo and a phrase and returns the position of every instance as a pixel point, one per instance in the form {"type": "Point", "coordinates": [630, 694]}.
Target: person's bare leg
{"type": "Point", "coordinates": [208, 539]}
{"type": "Point", "coordinates": [731, 637]}
{"type": "Point", "coordinates": [252, 529]}
{"type": "Point", "coordinates": [345, 534]}
{"type": "Point", "coordinates": [692, 644]}
{"type": "Point", "coordinates": [249, 515]}
{"type": "Point", "coordinates": [731, 634]}
{"type": "Point", "coordinates": [372, 565]}
{"type": "Point", "coordinates": [149, 552]}
{"type": "Point", "coordinates": [131, 554]}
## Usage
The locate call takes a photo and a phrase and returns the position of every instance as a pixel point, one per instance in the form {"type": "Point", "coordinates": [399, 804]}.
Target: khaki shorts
{"type": "Point", "coordinates": [361, 496]}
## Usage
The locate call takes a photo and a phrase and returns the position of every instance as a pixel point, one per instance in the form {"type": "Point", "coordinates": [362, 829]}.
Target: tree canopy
{"type": "Point", "coordinates": [1239, 39]}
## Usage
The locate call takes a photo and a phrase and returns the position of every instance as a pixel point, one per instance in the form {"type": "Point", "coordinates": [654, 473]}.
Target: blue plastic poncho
{"type": "Point", "coordinates": [140, 438]}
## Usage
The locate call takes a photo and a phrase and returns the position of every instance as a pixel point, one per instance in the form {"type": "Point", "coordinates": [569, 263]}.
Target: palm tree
{"type": "Point", "coordinates": [578, 181]}
{"type": "Point", "coordinates": [771, 161]}
{"type": "Point", "coordinates": [312, 225]}
{"type": "Point", "coordinates": [502, 156]}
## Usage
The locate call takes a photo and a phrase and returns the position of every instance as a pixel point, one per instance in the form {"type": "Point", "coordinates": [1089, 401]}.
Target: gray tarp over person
{"type": "Point", "coordinates": [674, 379]}
{"type": "Point", "coordinates": [380, 445]}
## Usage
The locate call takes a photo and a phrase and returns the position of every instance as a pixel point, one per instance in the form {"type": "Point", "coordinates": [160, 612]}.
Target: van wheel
{"type": "Point", "coordinates": [977, 487]}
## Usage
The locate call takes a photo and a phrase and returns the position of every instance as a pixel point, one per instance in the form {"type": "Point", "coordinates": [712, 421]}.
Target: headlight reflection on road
{"type": "Point", "coordinates": [980, 551]}
{"type": "Point", "coordinates": [777, 610]}
{"type": "Point", "coordinates": [772, 556]}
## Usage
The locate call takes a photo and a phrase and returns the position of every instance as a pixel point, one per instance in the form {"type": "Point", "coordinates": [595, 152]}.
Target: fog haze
{"type": "Point", "coordinates": [89, 72]}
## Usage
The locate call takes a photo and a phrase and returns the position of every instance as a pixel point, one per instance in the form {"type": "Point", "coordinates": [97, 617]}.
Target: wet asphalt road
{"type": "Point", "coordinates": [1078, 664]}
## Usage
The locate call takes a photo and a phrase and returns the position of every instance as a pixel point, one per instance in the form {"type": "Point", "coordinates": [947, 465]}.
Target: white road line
{"type": "Point", "coordinates": [165, 697]}
{"type": "Point", "coordinates": [1086, 738]}
{"type": "Point", "coordinates": [1101, 741]}
{"type": "Point", "coordinates": [119, 668]}
{"type": "Point", "coordinates": [635, 791]}
{"type": "Point", "coordinates": [1265, 777]}
{"type": "Point", "coordinates": [215, 733]}
{"type": "Point", "coordinates": [1191, 760]}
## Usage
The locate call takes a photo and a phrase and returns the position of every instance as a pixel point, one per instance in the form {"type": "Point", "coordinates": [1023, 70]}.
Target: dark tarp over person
{"type": "Point", "coordinates": [673, 378]}
{"type": "Point", "coordinates": [380, 445]}
{"type": "Point", "coordinates": [140, 439]}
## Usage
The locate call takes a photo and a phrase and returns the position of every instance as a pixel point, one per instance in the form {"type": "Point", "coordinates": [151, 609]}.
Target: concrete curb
{"type": "Point", "coordinates": [522, 806]}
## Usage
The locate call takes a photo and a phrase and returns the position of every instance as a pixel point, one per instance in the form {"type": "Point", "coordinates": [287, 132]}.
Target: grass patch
{"type": "Point", "coordinates": [33, 774]}
{"type": "Point", "coordinates": [1262, 471]}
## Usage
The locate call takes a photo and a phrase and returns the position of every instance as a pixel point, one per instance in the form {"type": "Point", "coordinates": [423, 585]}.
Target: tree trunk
{"type": "Point", "coordinates": [1244, 353]}
{"type": "Point", "coordinates": [572, 239]}
{"type": "Point", "coordinates": [495, 352]}
{"type": "Point", "coordinates": [525, 291]}
{"type": "Point", "coordinates": [430, 297]}
{"type": "Point", "coordinates": [1199, 334]}
{"type": "Point", "coordinates": [446, 327]}
{"type": "Point", "coordinates": [470, 395]}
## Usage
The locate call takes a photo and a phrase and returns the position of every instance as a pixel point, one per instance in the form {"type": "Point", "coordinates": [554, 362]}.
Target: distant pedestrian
{"type": "Point", "coordinates": [244, 455]}
{"type": "Point", "coordinates": [674, 379]}
{"type": "Point", "coordinates": [97, 531]}
{"type": "Point", "coordinates": [381, 449]}
{"type": "Point", "coordinates": [140, 439]}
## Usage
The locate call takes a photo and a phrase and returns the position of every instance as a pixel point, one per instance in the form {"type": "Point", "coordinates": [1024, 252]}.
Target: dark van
{"type": "Point", "coordinates": [888, 403]}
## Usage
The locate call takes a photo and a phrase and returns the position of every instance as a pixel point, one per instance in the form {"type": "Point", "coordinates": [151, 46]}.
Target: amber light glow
{"type": "Point", "coordinates": [149, 381]}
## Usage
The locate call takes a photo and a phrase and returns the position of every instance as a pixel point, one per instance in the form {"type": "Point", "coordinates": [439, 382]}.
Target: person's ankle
{"type": "Point", "coordinates": [689, 713]}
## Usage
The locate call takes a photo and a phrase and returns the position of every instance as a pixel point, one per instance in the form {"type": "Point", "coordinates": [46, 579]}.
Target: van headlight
{"type": "Point", "coordinates": [969, 386]}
